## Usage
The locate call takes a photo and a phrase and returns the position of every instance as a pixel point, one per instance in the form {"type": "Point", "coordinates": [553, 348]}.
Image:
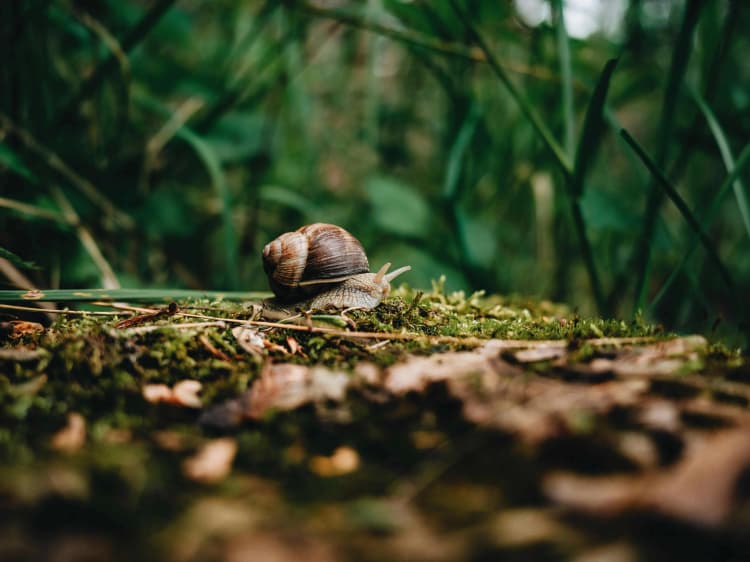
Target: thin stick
{"type": "Point", "coordinates": [27, 209]}
{"type": "Point", "coordinates": [53, 311]}
{"type": "Point", "coordinates": [183, 326]}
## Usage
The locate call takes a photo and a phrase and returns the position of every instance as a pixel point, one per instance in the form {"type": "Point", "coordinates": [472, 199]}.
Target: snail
{"type": "Point", "coordinates": [321, 266]}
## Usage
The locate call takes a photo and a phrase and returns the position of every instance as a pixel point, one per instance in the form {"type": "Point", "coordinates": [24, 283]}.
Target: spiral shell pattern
{"type": "Point", "coordinates": [314, 252]}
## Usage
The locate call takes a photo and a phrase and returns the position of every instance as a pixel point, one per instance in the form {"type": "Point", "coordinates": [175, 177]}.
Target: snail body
{"type": "Point", "coordinates": [323, 266]}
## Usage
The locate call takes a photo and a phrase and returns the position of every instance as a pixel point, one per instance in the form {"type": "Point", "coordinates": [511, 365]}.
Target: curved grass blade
{"type": "Point", "coordinates": [33, 211]}
{"type": "Point", "coordinates": [672, 193]}
{"type": "Point", "coordinates": [563, 50]}
{"type": "Point", "coordinates": [55, 163]}
{"type": "Point", "coordinates": [680, 56]}
{"type": "Point", "coordinates": [593, 127]}
{"type": "Point", "coordinates": [708, 218]}
{"type": "Point", "coordinates": [130, 40]}
{"type": "Point", "coordinates": [523, 102]}
{"type": "Point", "coordinates": [219, 181]}
{"type": "Point", "coordinates": [740, 193]}
{"type": "Point", "coordinates": [130, 295]}
{"type": "Point", "coordinates": [214, 169]}
{"type": "Point", "coordinates": [17, 260]}
{"type": "Point", "coordinates": [458, 151]}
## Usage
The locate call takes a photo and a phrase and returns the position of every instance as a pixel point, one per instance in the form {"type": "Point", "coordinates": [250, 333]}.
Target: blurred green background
{"type": "Point", "coordinates": [163, 143]}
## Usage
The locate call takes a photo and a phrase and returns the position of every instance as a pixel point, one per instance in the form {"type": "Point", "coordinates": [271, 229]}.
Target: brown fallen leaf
{"type": "Point", "coordinates": [285, 386]}
{"type": "Point", "coordinates": [294, 347]}
{"type": "Point", "coordinates": [699, 489]}
{"type": "Point", "coordinates": [343, 461]}
{"type": "Point", "coordinates": [213, 462]}
{"type": "Point", "coordinates": [155, 393]}
{"type": "Point", "coordinates": [184, 393]}
{"type": "Point", "coordinates": [18, 328]}
{"type": "Point", "coordinates": [71, 437]}
{"type": "Point", "coordinates": [249, 339]}
{"type": "Point", "coordinates": [417, 372]}
{"type": "Point", "coordinates": [660, 358]}
{"type": "Point", "coordinates": [541, 353]}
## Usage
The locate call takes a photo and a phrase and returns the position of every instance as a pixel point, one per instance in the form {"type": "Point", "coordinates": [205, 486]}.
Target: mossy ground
{"type": "Point", "coordinates": [125, 492]}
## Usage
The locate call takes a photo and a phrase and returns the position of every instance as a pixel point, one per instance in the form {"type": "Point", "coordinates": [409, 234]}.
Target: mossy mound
{"type": "Point", "coordinates": [354, 470]}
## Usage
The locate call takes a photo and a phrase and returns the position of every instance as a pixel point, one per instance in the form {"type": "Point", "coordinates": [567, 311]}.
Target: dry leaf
{"type": "Point", "coordinates": [294, 347]}
{"type": "Point", "coordinates": [155, 393]}
{"type": "Point", "coordinates": [212, 462]}
{"type": "Point", "coordinates": [19, 328]}
{"type": "Point", "coordinates": [545, 352]}
{"type": "Point", "coordinates": [417, 372]}
{"type": "Point", "coordinates": [285, 386]}
{"type": "Point", "coordinates": [249, 339]}
{"type": "Point", "coordinates": [343, 461]}
{"type": "Point", "coordinates": [71, 437]}
{"type": "Point", "coordinates": [184, 393]}
{"type": "Point", "coordinates": [699, 489]}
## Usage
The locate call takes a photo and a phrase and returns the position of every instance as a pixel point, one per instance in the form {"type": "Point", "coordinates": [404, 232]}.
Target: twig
{"type": "Point", "coordinates": [31, 210]}
{"type": "Point", "coordinates": [52, 311]}
{"type": "Point", "coordinates": [183, 326]}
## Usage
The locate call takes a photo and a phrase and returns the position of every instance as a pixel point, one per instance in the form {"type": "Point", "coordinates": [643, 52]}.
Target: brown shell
{"type": "Point", "coordinates": [314, 252]}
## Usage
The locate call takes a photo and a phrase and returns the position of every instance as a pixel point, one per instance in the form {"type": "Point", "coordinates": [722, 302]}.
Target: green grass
{"type": "Point", "coordinates": [164, 145]}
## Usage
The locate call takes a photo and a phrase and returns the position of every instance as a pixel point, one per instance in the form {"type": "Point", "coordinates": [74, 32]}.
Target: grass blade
{"type": "Point", "coordinates": [672, 193]}
{"type": "Point", "coordinates": [588, 145]}
{"type": "Point", "coordinates": [52, 161]}
{"type": "Point", "coordinates": [216, 173]}
{"type": "Point", "coordinates": [128, 43]}
{"type": "Point", "coordinates": [525, 105]}
{"type": "Point", "coordinates": [108, 277]}
{"type": "Point", "coordinates": [31, 210]}
{"type": "Point", "coordinates": [458, 152]}
{"type": "Point", "coordinates": [404, 36]}
{"type": "Point", "coordinates": [130, 295]}
{"type": "Point", "coordinates": [680, 56]}
{"type": "Point", "coordinates": [219, 181]}
{"type": "Point", "coordinates": [726, 155]}
{"type": "Point", "coordinates": [17, 260]}
{"type": "Point", "coordinates": [593, 127]}
{"type": "Point", "coordinates": [563, 50]}
{"type": "Point", "coordinates": [713, 209]}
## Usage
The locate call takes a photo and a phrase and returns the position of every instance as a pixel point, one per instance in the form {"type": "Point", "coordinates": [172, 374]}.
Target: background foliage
{"type": "Point", "coordinates": [163, 143]}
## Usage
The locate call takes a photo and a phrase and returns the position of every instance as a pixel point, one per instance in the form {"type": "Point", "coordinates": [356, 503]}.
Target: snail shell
{"type": "Point", "coordinates": [298, 263]}
{"type": "Point", "coordinates": [323, 266]}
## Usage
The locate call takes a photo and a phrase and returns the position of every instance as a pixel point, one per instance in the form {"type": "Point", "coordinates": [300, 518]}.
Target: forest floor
{"type": "Point", "coordinates": [438, 427]}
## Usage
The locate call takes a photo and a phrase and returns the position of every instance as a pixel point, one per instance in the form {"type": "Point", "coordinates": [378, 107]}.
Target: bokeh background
{"type": "Point", "coordinates": [163, 143]}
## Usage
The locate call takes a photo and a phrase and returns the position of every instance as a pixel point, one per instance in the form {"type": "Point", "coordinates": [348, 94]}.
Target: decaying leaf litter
{"type": "Point", "coordinates": [486, 427]}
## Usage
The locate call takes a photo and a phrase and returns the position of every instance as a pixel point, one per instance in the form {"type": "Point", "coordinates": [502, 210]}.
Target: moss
{"type": "Point", "coordinates": [130, 468]}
